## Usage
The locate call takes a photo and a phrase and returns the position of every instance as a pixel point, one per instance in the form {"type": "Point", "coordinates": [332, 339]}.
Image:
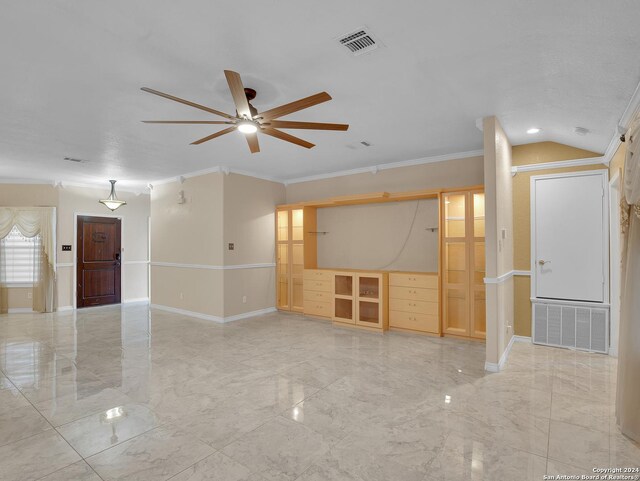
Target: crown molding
{"type": "Point", "coordinates": [560, 164]}
{"type": "Point", "coordinates": [363, 170]}
{"type": "Point", "coordinates": [630, 112]}
{"type": "Point", "coordinates": [87, 185]}
{"type": "Point", "coordinates": [391, 165]}
{"type": "Point", "coordinates": [179, 178]}
{"type": "Point", "coordinates": [212, 170]}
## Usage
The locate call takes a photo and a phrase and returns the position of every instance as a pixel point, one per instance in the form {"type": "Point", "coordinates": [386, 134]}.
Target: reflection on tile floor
{"type": "Point", "coordinates": [117, 393]}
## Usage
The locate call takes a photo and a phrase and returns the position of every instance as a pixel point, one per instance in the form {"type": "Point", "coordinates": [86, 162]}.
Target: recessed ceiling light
{"type": "Point", "coordinates": [534, 130]}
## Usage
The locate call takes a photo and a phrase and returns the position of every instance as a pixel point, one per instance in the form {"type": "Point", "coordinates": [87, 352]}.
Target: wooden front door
{"type": "Point", "coordinates": [98, 262]}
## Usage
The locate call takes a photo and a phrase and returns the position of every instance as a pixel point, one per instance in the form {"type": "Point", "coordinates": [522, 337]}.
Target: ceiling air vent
{"type": "Point", "coordinates": [359, 41]}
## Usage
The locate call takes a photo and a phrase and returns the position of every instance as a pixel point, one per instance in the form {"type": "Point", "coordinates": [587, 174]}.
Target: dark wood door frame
{"type": "Point", "coordinates": [98, 260]}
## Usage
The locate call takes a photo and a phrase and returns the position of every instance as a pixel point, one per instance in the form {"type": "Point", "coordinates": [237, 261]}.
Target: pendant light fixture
{"type": "Point", "coordinates": [112, 202]}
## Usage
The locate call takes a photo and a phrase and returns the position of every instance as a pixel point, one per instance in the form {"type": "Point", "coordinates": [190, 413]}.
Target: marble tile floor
{"type": "Point", "coordinates": [129, 393]}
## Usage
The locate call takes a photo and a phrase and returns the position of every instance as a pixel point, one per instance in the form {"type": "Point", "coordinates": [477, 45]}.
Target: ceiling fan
{"type": "Point", "coordinates": [248, 120]}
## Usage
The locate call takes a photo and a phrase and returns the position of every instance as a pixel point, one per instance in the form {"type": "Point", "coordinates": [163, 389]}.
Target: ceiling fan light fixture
{"type": "Point", "coordinates": [247, 127]}
{"type": "Point", "coordinates": [112, 201]}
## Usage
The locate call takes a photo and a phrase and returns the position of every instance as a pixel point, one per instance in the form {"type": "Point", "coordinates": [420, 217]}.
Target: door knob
{"type": "Point", "coordinates": [541, 262]}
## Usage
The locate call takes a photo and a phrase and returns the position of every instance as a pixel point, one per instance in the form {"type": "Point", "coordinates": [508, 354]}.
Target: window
{"type": "Point", "coordinates": [21, 257]}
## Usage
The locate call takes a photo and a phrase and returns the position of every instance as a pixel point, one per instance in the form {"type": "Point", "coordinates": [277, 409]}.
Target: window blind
{"type": "Point", "coordinates": [21, 255]}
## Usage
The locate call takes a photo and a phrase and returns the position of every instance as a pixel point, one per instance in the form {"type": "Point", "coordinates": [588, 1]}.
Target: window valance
{"type": "Point", "coordinates": [32, 221]}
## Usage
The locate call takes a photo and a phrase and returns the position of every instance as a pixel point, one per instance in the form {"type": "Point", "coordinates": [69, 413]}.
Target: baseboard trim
{"type": "Point", "coordinates": [245, 315]}
{"type": "Point", "coordinates": [209, 317]}
{"type": "Point", "coordinates": [492, 366]}
{"type": "Point", "coordinates": [20, 310]}
{"type": "Point", "coordinates": [137, 300]}
{"type": "Point", "coordinates": [184, 312]}
{"type": "Point", "coordinates": [522, 339]}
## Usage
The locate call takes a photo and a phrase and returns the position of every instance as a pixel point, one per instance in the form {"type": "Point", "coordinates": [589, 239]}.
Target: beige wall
{"type": "Point", "coordinates": [249, 223]}
{"type": "Point", "coordinates": [452, 173]}
{"type": "Point", "coordinates": [498, 238]}
{"type": "Point", "coordinates": [19, 298]}
{"type": "Point", "coordinates": [188, 233]}
{"type": "Point", "coordinates": [372, 236]}
{"type": "Point", "coordinates": [541, 152]}
{"type": "Point", "coordinates": [617, 162]}
{"type": "Point", "coordinates": [219, 209]}
{"type": "Point", "coordinates": [70, 200]}
{"type": "Point", "coordinates": [28, 195]}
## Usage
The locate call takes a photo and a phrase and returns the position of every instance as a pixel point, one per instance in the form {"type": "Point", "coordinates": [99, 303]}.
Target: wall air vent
{"type": "Point", "coordinates": [77, 161]}
{"type": "Point", "coordinates": [573, 326]}
{"type": "Point", "coordinates": [359, 41]}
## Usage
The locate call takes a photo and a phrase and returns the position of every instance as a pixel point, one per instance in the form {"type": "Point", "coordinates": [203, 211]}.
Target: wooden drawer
{"type": "Point", "coordinates": [311, 296]}
{"type": "Point", "coordinates": [317, 308]}
{"type": "Point", "coordinates": [318, 275]}
{"type": "Point", "coordinates": [413, 293]}
{"type": "Point", "coordinates": [316, 285]}
{"type": "Point", "coordinates": [414, 321]}
{"type": "Point", "coordinates": [424, 281]}
{"type": "Point", "coordinates": [419, 307]}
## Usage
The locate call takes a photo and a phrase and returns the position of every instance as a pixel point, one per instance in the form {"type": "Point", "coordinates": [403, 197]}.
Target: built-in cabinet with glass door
{"type": "Point", "coordinates": [360, 299]}
{"type": "Point", "coordinates": [463, 264]}
{"type": "Point", "coordinates": [292, 225]}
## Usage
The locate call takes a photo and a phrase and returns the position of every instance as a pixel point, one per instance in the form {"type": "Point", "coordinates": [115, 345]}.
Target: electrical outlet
{"type": "Point", "coordinates": [29, 295]}
{"type": "Point", "coordinates": [231, 246]}
{"type": "Point", "coordinates": [244, 299]}
{"type": "Point", "coordinates": [181, 295]}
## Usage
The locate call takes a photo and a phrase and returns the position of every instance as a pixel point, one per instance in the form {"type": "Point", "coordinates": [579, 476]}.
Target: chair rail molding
{"type": "Point", "coordinates": [212, 267]}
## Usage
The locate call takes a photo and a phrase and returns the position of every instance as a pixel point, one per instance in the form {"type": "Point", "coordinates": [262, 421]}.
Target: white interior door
{"type": "Point", "coordinates": [569, 237]}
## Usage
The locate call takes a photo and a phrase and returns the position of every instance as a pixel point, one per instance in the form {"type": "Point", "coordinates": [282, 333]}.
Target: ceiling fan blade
{"type": "Point", "coordinates": [252, 140]}
{"type": "Point", "coordinates": [285, 124]}
{"type": "Point", "coordinates": [213, 136]}
{"type": "Point", "coordinates": [187, 102]}
{"type": "Point", "coordinates": [296, 106]}
{"type": "Point", "coordinates": [186, 122]}
{"type": "Point", "coordinates": [278, 134]}
{"type": "Point", "coordinates": [237, 92]}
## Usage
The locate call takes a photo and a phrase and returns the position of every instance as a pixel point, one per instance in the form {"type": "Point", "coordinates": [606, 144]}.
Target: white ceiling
{"type": "Point", "coordinates": [72, 71]}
